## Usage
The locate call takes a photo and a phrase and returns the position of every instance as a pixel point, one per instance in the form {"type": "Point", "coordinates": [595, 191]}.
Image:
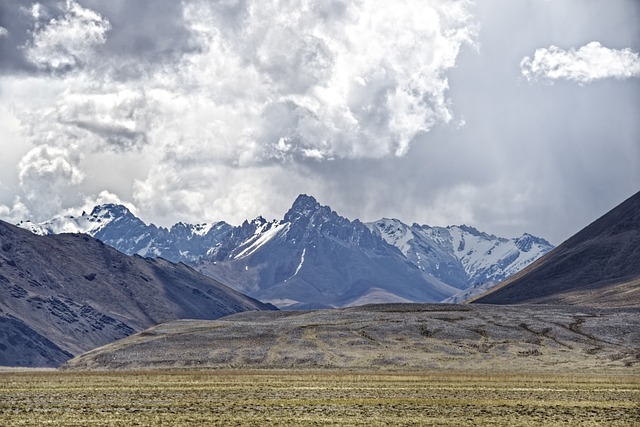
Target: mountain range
{"type": "Point", "coordinates": [315, 258]}
{"type": "Point", "coordinates": [576, 309]}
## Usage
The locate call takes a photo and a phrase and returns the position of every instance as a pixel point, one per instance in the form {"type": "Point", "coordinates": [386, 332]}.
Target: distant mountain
{"type": "Point", "coordinates": [315, 258]}
{"type": "Point", "coordinates": [116, 226]}
{"type": "Point", "coordinates": [599, 266]}
{"type": "Point", "coordinates": [61, 295]}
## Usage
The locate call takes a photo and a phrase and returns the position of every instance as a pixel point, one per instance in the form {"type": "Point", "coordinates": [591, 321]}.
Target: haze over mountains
{"type": "Point", "coordinates": [61, 295]}
{"type": "Point", "coordinates": [600, 265]}
{"type": "Point", "coordinates": [314, 258]}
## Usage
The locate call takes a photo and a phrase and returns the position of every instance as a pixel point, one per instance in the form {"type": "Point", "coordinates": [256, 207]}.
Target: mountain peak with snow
{"type": "Point", "coordinates": [314, 257]}
{"type": "Point", "coordinates": [527, 241]}
{"type": "Point", "coordinates": [109, 211]}
{"type": "Point", "coordinates": [461, 255]}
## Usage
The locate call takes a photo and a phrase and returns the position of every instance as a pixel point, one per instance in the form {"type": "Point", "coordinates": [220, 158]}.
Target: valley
{"type": "Point", "coordinates": [566, 353]}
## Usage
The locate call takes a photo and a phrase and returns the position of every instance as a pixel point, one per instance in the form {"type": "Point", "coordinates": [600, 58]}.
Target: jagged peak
{"type": "Point", "coordinates": [256, 222]}
{"type": "Point", "coordinates": [110, 210]}
{"type": "Point", "coordinates": [303, 206]}
{"type": "Point", "coordinates": [304, 201]}
{"type": "Point", "coordinates": [389, 221]}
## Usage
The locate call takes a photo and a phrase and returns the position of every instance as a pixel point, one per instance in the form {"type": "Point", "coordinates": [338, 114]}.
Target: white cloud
{"type": "Point", "coordinates": [15, 213]}
{"type": "Point", "coordinates": [69, 41]}
{"type": "Point", "coordinates": [3, 32]}
{"type": "Point", "coordinates": [45, 174]}
{"type": "Point", "coordinates": [116, 116]}
{"type": "Point", "coordinates": [339, 79]}
{"type": "Point", "coordinates": [590, 62]}
{"type": "Point", "coordinates": [270, 87]}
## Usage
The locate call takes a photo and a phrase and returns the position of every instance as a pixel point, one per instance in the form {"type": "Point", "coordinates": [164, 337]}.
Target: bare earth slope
{"type": "Point", "coordinates": [388, 336]}
{"type": "Point", "coordinates": [598, 266]}
{"type": "Point", "coordinates": [62, 295]}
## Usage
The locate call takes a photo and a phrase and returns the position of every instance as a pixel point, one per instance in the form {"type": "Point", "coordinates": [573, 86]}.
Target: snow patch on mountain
{"type": "Point", "coordinates": [395, 233]}
{"type": "Point", "coordinates": [262, 235]}
{"type": "Point", "coordinates": [304, 250]}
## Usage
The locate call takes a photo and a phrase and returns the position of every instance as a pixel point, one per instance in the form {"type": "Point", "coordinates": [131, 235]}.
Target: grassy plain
{"type": "Point", "coordinates": [182, 398]}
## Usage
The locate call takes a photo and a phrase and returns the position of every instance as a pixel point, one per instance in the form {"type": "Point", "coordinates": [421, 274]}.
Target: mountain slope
{"type": "Point", "coordinates": [600, 265]}
{"type": "Point", "coordinates": [64, 294]}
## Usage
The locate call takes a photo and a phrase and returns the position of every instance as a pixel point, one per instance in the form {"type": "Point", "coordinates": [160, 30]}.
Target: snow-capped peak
{"type": "Point", "coordinates": [90, 224]}
{"type": "Point", "coordinates": [461, 255]}
{"type": "Point", "coordinates": [303, 207]}
{"type": "Point", "coordinates": [109, 211]}
{"type": "Point", "coordinates": [526, 242]}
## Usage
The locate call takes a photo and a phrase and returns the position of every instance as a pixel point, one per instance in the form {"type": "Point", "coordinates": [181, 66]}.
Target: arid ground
{"type": "Point", "coordinates": [179, 398]}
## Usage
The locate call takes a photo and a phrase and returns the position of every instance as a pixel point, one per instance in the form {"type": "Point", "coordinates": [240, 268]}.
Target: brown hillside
{"type": "Point", "coordinates": [65, 294]}
{"type": "Point", "coordinates": [600, 266]}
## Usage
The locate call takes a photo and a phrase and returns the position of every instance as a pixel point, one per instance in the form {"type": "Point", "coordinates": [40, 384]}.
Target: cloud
{"type": "Point", "coordinates": [66, 42]}
{"type": "Point", "coordinates": [15, 213]}
{"type": "Point", "coordinates": [3, 32]}
{"type": "Point", "coordinates": [208, 89]}
{"type": "Point", "coordinates": [305, 81]}
{"type": "Point", "coordinates": [115, 117]}
{"type": "Point", "coordinates": [590, 62]}
{"type": "Point", "coordinates": [45, 173]}
{"type": "Point", "coordinates": [223, 110]}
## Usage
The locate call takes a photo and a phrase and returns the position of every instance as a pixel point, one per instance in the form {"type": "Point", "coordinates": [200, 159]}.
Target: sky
{"type": "Point", "coordinates": [511, 116]}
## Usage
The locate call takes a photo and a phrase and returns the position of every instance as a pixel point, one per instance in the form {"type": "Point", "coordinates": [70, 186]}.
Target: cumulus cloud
{"type": "Point", "coordinates": [3, 32]}
{"type": "Point", "coordinates": [116, 117]}
{"type": "Point", "coordinates": [590, 62]}
{"type": "Point", "coordinates": [15, 213]}
{"type": "Point", "coordinates": [45, 173]}
{"type": "Point", "coordinates": [68, 41]}
{"type": "Point", "coordinates": [253, 86]}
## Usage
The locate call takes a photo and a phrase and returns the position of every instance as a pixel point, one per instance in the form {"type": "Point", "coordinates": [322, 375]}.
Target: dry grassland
{"type": "Point", "coordinates": [229, 398]}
